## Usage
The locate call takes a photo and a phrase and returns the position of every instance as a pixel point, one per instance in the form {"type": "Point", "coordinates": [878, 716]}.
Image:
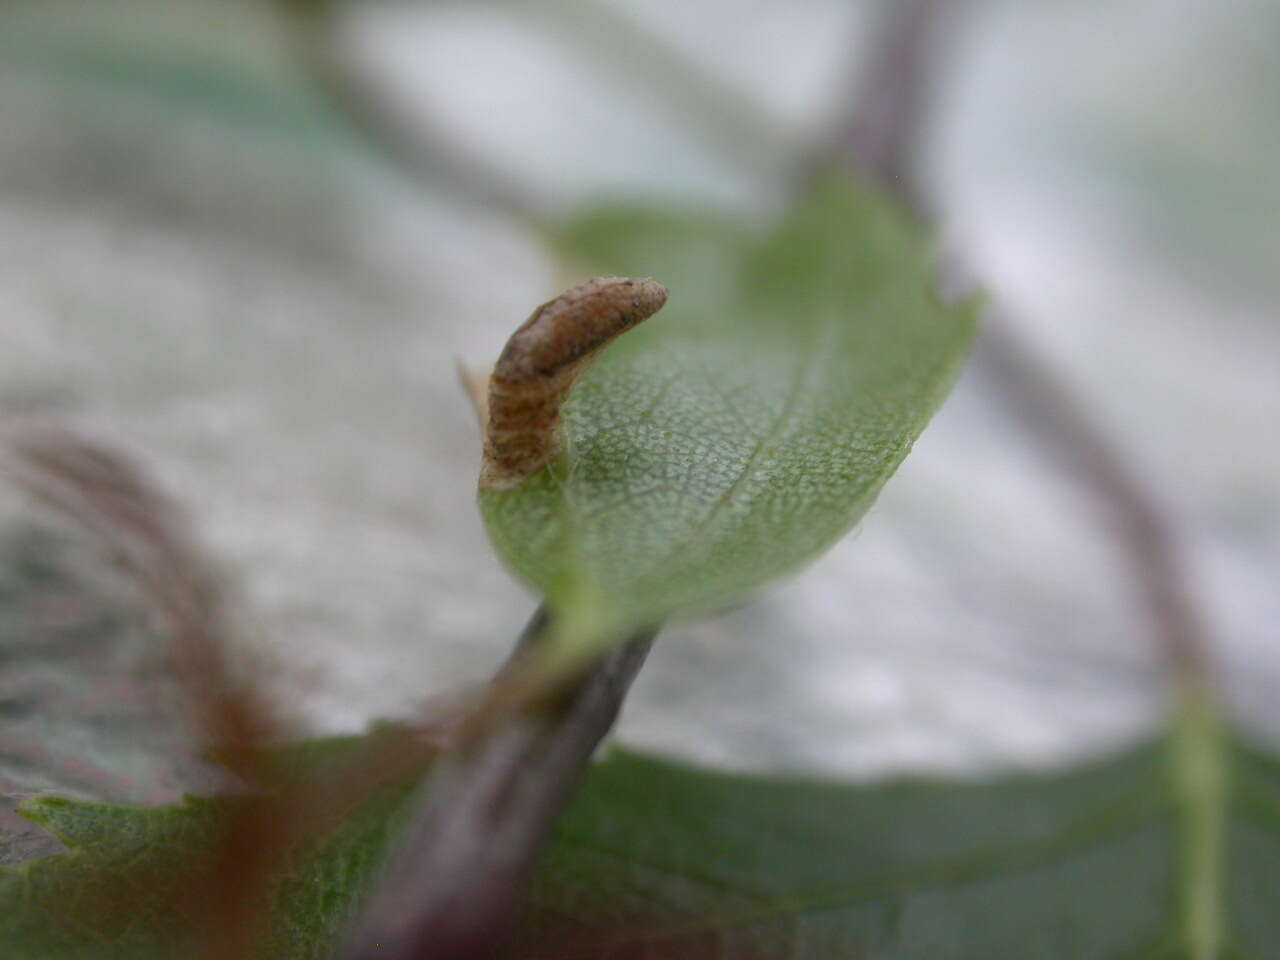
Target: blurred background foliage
{"type": "Point", "coordinates": [207, 260]}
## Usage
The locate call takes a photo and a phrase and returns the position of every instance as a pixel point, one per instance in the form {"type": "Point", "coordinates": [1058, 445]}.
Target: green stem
{"type": "Point", "coordinates": [1200, 789]}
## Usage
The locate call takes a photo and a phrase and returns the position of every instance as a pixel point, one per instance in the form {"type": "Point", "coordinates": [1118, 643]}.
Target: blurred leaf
{"type": "Point", "coordinates": [1168, 851]}
{"type": "Point", "coordinates": [748, 426]}
{"type": "Point", "coordinates": [86, 693]}
{"type": "Point", "coordinates": [658, 861]}
{"type": "Point", "coordinates": [225, 61]}
{"type": "Point", "coordinates": [134, 883]}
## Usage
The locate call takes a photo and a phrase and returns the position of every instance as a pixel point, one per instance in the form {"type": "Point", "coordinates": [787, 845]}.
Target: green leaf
{"type": "Point", "coordinates": [1130, 859]}
{"type": "Point", "coordinates": [1168, 851]}
{"type": "Point", "coordinates": [85, 690]}
{"type": "Point", "coordinates": [134, 882]}
{"type": "Point", "coordinates": [745, 428]}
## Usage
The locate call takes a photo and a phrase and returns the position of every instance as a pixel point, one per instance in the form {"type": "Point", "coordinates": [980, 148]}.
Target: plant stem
{"type": "Point", "coordinates": [886, 127]}
{"type": "Point", "coordinates": [1143, 531]}
{"type": "Point", "coordinates": [882, 131]}
{"type": "Point", "coordinates": [455, 888]}
{"type": "Point", "coordinates": [410, 144]}
{"type": "Point", "coordinates": [1200, 794]}
{"type": "Point", "coordinates": [886, 120]}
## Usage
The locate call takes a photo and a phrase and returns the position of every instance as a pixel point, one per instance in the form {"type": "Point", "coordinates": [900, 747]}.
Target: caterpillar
{"type": "Point", "coordinates": [541, 361]}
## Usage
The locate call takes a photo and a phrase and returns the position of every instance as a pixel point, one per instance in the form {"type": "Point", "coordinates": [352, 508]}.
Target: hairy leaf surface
{"type": "Point", "coordinates": [749, 425]}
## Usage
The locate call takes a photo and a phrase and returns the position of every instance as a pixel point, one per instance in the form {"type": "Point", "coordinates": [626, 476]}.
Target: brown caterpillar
{"type": "Point", "coordinates": [541, 361]}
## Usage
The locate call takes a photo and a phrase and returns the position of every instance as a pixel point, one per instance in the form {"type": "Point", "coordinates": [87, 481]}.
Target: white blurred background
{"type": "Point", "coordinates": [203, 262]}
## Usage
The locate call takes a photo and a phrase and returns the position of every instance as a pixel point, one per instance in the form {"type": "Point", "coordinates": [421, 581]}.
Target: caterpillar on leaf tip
{"type": "Point", "coordinates": [541, 361]}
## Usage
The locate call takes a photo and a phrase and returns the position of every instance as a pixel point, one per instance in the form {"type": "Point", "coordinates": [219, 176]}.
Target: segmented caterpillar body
{"type": "Point", "coordinates": [539, 364]}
